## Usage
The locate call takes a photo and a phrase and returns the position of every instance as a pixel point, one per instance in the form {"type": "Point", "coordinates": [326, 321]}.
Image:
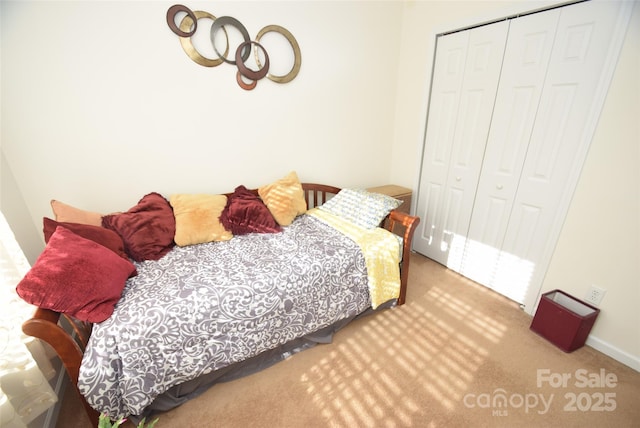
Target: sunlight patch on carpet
{"type": "Point", "coordinates": [449, 342]}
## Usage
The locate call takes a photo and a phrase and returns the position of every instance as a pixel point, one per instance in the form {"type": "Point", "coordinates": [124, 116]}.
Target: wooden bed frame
{"type": "Point", "coordinates": [69, 337]}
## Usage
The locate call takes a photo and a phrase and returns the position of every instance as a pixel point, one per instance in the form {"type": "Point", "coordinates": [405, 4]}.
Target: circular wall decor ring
{"type": "Point", "coordinates": [171, 20]}
{"type": "Point", "coordinates": [187, 44]}
{"type": "Point", "coordinates": [220, 23]}
{"type": "Point", "coordinates": [243, 84]}
{"type": "Point", "coordinates": [297, 61]}
{"type": "Point", "coordinates": [246, 71]}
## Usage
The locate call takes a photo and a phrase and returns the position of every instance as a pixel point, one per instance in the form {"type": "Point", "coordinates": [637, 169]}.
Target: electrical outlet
{"type": "Point", "coordinates": [595, 295]}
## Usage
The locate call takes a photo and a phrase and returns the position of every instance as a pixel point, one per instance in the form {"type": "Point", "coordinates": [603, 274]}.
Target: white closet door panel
{"type": "Point", "coordinates": [526, 60]}
{"type": "Point", "coordinates": [459, 118]}
{"type": "Point", "coordinates": [516, 261]}
{"type": "Point", "coordinates": [431, 197]}
{"type": "Point", "coordinates": [559, 140]}
{"type": "Point", "coordinates": [485, 55]}
{"type": "Point", "coordinates": [480, 255]}
{"type": "Point", "coordinates": [448, 75]}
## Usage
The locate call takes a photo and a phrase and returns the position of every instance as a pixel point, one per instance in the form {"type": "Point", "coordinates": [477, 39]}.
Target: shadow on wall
{"type": "Point", "coordinates": [15, 211]}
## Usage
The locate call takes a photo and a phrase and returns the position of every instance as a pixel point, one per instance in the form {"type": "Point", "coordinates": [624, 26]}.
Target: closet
{"type": "Point", "coordinates": [512, 109]}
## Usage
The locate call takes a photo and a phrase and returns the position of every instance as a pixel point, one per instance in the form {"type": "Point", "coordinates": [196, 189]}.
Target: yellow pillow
{"type": "Point", "coordinates": [198, 218]}
{"type": "Point", "coordinates": [284, 198]}
{"type": "Point", "coordinates": [68, 214]}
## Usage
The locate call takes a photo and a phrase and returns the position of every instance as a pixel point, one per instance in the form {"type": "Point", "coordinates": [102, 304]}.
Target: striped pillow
{"type": "Point", "coordinates": [284, 198]}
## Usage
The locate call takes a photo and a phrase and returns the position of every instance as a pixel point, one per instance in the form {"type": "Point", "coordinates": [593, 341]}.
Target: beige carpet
{"type": "Point", "coordinates": [455, 355]}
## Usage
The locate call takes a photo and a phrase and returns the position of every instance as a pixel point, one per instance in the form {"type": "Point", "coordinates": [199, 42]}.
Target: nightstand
{"type": "Point", "coordinates": [398, 192]}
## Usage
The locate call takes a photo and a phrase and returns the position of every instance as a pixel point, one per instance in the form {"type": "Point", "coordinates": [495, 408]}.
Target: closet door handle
{"type": "Point", "coordinates": [499, 187]}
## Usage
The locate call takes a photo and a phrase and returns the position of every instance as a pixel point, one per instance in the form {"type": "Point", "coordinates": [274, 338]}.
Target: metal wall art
{"type": "Point", "coordinates": [246, 77]}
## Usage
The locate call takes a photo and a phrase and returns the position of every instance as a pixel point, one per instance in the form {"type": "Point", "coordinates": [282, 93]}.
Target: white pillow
{"type": "Point", "coordinates": [363, 208]}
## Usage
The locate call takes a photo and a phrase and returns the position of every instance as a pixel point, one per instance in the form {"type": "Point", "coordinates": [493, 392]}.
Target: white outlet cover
{"type": "Point", "coordinates": [595, 295]}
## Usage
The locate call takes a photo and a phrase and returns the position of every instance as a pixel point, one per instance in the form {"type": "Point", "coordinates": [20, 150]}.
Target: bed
{"type": "Point", "coordinates": [185, 321]}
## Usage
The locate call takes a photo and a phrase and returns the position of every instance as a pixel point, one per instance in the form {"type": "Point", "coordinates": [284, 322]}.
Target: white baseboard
{"type": "Point", "coordinates": [615, 353]}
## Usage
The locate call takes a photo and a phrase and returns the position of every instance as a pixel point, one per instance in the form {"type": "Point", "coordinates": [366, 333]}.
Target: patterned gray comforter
{"type": "Point", "coordinates": [204, 307]}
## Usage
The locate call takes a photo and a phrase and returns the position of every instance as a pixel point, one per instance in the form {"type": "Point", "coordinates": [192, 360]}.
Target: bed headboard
{"type": "Point", "coordinates": [317, 194]}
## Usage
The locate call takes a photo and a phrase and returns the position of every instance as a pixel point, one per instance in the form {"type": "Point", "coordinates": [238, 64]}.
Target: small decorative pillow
{"type": "Point", "coordinates": [246, 213]}
{"type": "Point", "coordinates": [66, 213]}
{"type": "Point", "coordinates": [105, 237]}
{"type": "Point", "coordinates": [198, 218]}
{"type": "Point", "coordinates": [284, 198]}
{"type": "Point", "coordinates": [76, 276]}
{"type": "Point", "coordinates": [147, 229]}
{"type": "Point", "coordinates": [363, 208]}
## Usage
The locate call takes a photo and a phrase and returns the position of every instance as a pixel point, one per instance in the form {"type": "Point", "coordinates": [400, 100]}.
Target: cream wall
{"type": "Point", "coordinates": [100, 106]}
{"type": "Point", "coordinates": [600, 240]}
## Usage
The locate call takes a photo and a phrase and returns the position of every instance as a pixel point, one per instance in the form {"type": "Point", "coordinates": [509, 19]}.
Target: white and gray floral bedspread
{"type": "Point", "coordinates": [204, 307]}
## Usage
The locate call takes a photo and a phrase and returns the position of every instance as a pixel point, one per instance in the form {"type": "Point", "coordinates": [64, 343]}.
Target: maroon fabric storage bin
{"type": "Point", "coordinates": [564, 320]}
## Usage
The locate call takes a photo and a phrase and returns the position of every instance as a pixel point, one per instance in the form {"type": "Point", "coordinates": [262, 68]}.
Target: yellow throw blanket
{"type": "Point", "coordinates": [381, 252]}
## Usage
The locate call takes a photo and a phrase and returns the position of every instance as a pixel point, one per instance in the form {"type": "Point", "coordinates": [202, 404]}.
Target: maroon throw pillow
{"type": "Point", "coordinates": [147, 229]}
{"type": "Point", "coordinates": [246, 213]}
{"type": "Point", "coordinates": [76, 276]}
{"type": "Point", "coordinates": [105, 237]}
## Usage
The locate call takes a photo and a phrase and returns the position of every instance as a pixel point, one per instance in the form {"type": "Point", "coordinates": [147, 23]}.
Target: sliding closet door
{"type": "Point", "coordinates": [465, 78]}
{"type": "Point", "coordinates": [527, 54]}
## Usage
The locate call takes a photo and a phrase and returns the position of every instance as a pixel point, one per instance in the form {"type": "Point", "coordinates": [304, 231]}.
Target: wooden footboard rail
{"type": "Point", "coordinates": [400, 220]}
{"type": "Point", "coordinates": [68, 343]}
{"type": "Point", "coordinates": [69, 337]}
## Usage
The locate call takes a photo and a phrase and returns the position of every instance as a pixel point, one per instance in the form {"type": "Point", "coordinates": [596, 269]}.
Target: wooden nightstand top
{"type": "Point", "coordinates": [391, 190]}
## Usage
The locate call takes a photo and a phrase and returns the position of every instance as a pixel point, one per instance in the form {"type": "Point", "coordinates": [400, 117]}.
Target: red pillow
{"type": "Point", "coordinates": [246, 213]}
{"type": "Point", "coordinates": [105, 237]}
{"type": "Point", "coordinates": [76, 276]}
{"type": "Point", "coordinates": [147, 229]}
